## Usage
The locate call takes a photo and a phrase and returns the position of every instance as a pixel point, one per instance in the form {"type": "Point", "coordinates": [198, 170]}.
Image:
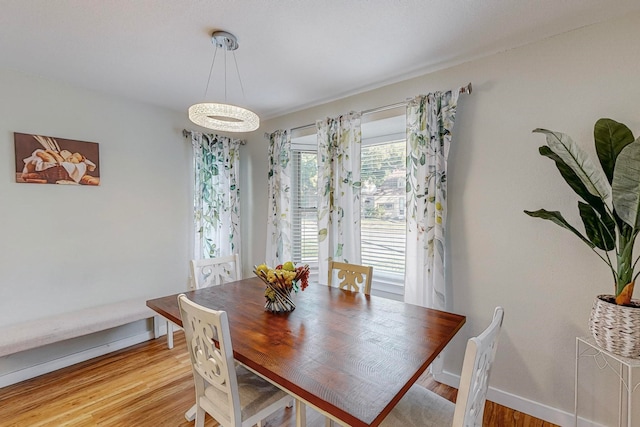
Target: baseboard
{"type": "Point", "coordinates": [72, 359]}
{"type": "Point", "coordinates": [538, 410]}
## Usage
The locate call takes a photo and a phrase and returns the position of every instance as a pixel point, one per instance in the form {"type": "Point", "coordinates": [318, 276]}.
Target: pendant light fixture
{"type": "Point", "coordinates": [224, 117]}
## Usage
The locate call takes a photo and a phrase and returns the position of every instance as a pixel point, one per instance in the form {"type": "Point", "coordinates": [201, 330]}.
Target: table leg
{"type": "Point", "coordinates": [169, 334]}
{"type": "Point", "coordinates": [620, 394]}
{"type": "Point", "coordinates": [190, 415]}
{"type": "Point", "coordinates": [629, 391]}
{"type": "Point", "coordinates": [575, 397]}
{"type": "Point", "coordinates": [301, 414]}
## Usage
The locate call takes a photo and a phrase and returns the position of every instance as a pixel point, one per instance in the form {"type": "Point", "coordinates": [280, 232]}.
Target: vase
{"type": "Point", "coordinates": [278, 300]}
{"type": "Point", "coordinates": [616, 328]}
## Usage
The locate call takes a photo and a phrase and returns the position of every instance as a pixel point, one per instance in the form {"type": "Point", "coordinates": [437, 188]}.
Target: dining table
{"type": "Point", "coordinates": [349, 355]}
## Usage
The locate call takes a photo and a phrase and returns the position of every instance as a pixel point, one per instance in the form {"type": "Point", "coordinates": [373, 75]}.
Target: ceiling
{"type": "Point", "coordinates": [293, 53]}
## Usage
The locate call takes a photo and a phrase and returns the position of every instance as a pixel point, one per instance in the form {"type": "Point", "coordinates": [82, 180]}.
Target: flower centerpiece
{"type": "Point", "coordinates": [280, 282]}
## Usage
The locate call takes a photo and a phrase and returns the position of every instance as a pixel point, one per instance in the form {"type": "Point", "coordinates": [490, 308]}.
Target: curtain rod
{"type": "Point", "coordinates": [463, 90]}
{"type": "Point", "coordinates": [187, 133]}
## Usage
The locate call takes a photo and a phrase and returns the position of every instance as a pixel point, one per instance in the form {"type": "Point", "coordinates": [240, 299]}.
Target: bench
{"type": "Point", "coordinates": [36, 333]}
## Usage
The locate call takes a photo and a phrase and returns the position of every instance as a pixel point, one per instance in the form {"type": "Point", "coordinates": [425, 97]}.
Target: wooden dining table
{"type": "Point", "coordinates": [349, 355]}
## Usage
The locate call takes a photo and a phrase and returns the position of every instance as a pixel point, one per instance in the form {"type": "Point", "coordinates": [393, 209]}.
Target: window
{"type": "Point", "coordinates": [383, 222]}
{"type": "Point", "coordinates": [304, 200]}
{"type": "Point", "coordinates": [383, 176]}
{"type": "Point", "coordinates": [382, 219]}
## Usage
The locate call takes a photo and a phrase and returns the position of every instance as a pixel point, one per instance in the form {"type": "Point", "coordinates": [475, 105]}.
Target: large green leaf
{"type": "Point", "coordinates": [626, 184]}
{"type": "Point", "coordinates": [591, 176]}
{"type": "Point", "coordinates": [610, 138]}
{"type": "Point", "coordinates": [572, 179]}
{"type": "Point", "coordinates": [557, 218]}
{"type": "Point", "coordinates": [603, 236]}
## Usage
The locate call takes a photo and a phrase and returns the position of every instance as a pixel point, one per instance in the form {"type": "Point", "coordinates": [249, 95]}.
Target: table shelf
{"type": "Point", "coordinates": [622, 367]}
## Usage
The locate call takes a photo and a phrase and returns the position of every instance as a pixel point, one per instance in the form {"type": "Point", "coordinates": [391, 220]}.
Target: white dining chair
{"type": "Point", "coordinates": [229, 392]}
{"type": "Point", "coordinates": [208, 272]}
{"type": "Point", "coordinates": [352, 276]}
{"type": "Point", "coordinates": [214, 271]}
{"type": "Point", "coordinates": [420, 407]}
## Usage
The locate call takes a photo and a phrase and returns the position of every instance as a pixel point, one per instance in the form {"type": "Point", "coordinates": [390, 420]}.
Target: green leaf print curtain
{"type": "Point", "coordinates": [339, 143]}
{"type": "Point", "coordinates": [216, 161]}
{"type": "Point", "coordinates": [430, 121]}
{"type": "Point", "coordinates": [279, 199]}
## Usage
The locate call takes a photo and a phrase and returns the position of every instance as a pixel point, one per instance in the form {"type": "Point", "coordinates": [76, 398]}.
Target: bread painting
{"type": "Point", "coordinates": [51, 164]}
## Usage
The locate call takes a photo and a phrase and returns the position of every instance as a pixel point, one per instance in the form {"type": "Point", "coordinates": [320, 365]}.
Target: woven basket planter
{"type": "Point", "coordinates": [616, 328]}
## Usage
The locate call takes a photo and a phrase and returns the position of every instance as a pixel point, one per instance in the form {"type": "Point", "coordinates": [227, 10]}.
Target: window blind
{"type": "Point", "coordinates": [383, 220]}
{"type": "Point", "coordinates": [304, 218]}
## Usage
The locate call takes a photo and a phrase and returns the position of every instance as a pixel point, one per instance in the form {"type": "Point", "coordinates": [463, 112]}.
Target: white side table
{"type": "Point", "coordinates": [623, 367]}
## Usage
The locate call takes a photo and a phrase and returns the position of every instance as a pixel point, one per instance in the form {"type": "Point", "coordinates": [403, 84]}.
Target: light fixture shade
{"type": "Point", "coordinates": [224, 117]}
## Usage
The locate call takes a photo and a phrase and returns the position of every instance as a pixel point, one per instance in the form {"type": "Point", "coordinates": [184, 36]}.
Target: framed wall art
{"type": "Point", "coordinates": [48, 160]}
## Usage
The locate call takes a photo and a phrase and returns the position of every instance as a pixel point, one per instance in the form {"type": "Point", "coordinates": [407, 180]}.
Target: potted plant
{"type": "Point", "coordinates": [610, 213]}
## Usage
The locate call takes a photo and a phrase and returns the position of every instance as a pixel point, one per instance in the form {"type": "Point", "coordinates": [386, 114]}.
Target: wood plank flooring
{"type": "Point", "coordinates": [148, 385]}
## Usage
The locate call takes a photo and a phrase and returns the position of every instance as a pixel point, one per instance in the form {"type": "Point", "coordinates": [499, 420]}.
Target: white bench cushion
{"type": "Point", "coordinates": [39, 332]}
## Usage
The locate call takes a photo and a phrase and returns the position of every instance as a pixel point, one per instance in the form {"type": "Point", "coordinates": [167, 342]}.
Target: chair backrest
{"type": "Point", "coordinates": [212, 366]}
{"type": "Point", "coordinates": [351, 275]}
{"type": "Point", "coordinates": [476, 368]}
{"type": "Point", "coordinates": [214, 271]}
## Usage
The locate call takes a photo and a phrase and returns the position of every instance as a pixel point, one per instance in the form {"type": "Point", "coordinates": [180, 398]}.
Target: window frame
{"type": "Point", "coordinates": [384, 283]}
{"type": "Point", "coordinates": [374, 132]}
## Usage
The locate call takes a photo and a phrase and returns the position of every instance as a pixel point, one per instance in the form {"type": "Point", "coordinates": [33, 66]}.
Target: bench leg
{"type": "Point", "coordinates": [156, 327]}
{"type": "Point", "coordinates": [156, 330]}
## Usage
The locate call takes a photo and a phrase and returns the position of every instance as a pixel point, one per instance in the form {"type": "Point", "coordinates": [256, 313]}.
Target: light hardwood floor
{"type": "Point", "coordinates": [148, 385]}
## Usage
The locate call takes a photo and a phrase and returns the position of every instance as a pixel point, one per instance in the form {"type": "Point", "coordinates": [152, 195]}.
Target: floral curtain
{"type": "Point", "coordinates": [279, 197]}
{"type": "Point", "coordinates": [216, 214]}
{"type": "Point", "coordinates": [429, 125]}
{"type": "Point", "coordinates": [339, 143]}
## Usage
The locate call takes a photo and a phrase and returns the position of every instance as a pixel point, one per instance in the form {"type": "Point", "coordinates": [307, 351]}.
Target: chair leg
{"type": "Point", "coordinates": [169, 334]}
{"type": "Point", "coordinates": [190, 415]}
{"type": "Point", "coordinates": [199, 417]}
{"type": "Point", "coordinates": [327, 422]}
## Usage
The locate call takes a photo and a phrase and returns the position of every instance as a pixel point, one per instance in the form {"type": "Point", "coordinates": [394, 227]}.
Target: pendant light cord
{"type": "Point", "coordinates": [244, 98]}
{"type": "Point", "coordinates": [213, 61]}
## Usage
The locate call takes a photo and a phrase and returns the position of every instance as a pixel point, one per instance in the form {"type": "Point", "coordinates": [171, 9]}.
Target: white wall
{"type": "Point", "coordinates": [71, 247]}
{"type": "Point", "coordinates": [543, 276]}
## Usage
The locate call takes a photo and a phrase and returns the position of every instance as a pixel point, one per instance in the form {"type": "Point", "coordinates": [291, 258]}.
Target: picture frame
{"type": "Point", "coordinates": [50, 160]}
